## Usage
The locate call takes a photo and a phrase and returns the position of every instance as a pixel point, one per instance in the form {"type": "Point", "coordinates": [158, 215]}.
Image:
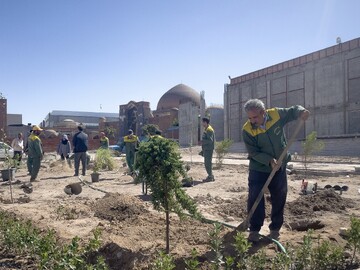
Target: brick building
{"type": "Point", "coordinates": [327, 82]}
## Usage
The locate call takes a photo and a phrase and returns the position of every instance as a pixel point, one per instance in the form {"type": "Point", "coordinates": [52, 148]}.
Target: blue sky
{"type": "Point", "coordinates": [93, 55]}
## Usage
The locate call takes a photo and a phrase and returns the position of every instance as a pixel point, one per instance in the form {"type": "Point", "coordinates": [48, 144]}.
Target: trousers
{"type": "Point", "coordinates": [278, 192]}
{"type": "Point", "coordinates": [208, 161]}
{"type": "Point", "coordinates": [33, 164]}
{"type": "Point", "coordinates": [80, 156]}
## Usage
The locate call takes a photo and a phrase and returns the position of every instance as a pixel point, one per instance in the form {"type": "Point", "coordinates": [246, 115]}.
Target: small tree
{"type": "Point", "coordinates": [150, 129]}
{"type": "Point", "coordinates": [310, 146]}
{"type": "Point", "coordinates": [158, 161]}
{"type": "Point", "coordinates": [221, 149]}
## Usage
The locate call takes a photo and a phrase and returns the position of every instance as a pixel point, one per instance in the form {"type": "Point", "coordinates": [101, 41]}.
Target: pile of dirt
{"type": "Point", "coordinates": [115, 206]}
{"type": "Point", "coordinates": [323, 200]}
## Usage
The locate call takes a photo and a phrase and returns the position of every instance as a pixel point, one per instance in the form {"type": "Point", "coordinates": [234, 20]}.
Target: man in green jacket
{"type": "Point", "coordinates": [207, 147]}
{"type": "Point", "coordinates": [104, 141]}
{"type": "Point", "coordinates": [265, 140]}
{"type": "Point", "coordinates": [130, 142]}
{"type": "Point", "coordinates": [35, 152]}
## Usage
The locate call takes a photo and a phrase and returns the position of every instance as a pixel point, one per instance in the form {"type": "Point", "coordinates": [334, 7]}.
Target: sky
{"type": "Point", "coordinates": [94, 55]}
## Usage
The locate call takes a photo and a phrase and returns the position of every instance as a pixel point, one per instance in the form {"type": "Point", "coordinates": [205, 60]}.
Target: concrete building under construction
{"type": "Point", "coordinates": [326, 82]}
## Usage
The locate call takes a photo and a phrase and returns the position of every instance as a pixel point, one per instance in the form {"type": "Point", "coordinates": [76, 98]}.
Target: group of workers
{"type": "Point", "coordinates": [263, 136]}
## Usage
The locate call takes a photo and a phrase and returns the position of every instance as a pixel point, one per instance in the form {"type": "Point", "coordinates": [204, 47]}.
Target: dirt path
{"type": "Point", "coordinates": [133, 231]}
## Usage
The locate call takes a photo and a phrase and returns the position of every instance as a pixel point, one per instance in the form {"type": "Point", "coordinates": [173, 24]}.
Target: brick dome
{"type": "Point", "coordinates": [180, 93]}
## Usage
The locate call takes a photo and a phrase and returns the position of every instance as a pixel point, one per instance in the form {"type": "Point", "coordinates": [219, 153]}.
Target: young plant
{"type": "Point", "coordinates": [103, 160]}
{"type": "Point", "coordinates": [221, 149]}
{"type": "Point", "coordinates": [310, 146]}
{"type": "Point", "coordinates": [192, 263]}
{"type": "Point", "coordinates": [159, 162]}
{"type": "Point", "coordinates": [163, 262]}
{"type": "Point", "coordinates": [354, 236]}
{"type": "Point", "coordinates": [242, 246]}
{"type": "Point", "coordinates": [216, 246]}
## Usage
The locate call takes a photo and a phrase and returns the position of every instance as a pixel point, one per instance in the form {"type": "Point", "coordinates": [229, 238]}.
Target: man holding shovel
{"type": "Point", "coordinates": [265, 142]}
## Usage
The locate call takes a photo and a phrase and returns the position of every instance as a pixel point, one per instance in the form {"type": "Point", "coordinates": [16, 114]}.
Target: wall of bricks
{"type": "Point", "coordinates": [342, 47]}
{"type": "Point", "coordinates": [50, 144]}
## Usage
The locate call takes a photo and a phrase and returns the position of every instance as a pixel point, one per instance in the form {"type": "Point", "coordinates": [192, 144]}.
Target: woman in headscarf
{"type": "Point", "coordinates": [64, 149]}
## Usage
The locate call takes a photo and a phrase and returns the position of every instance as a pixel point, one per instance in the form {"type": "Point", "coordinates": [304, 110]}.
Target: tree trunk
{"type": "Point", "coordinates": [167, 219]}
{"type": "Point", "coordinates": [167, 232]}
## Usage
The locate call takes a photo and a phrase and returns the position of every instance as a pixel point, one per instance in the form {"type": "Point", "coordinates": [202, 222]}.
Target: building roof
{"type": "Point", "coordinates": [178, 94]}
{"type": "Point", "coordinates": [89, 114]}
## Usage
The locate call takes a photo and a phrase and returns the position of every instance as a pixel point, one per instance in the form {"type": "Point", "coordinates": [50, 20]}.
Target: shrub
{"type": "Point", "coordinates": [24, 238]}
{"type": "Point", "coordinates": [103, 160]}
{"type": "Point", "coordinates": [221, 149]}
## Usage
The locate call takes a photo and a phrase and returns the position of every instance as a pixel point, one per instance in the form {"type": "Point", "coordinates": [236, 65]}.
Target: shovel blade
{"type": "Point", "coordinates": [243, 226]}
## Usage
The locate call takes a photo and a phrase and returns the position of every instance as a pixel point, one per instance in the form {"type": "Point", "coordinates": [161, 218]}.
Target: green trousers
{"type": "Point", "coordinates": [33, 164]}
{"type": "Point", "coordinates": [130, 160]}
{"type": "Point", "coordinates": [208, 161]}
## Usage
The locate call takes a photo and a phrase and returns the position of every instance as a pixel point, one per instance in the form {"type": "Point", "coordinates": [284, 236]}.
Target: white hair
{"type": "Point", "coordinates": [252, 104]}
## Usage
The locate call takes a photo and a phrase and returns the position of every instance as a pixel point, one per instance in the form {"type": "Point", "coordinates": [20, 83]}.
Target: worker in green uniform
{"type": "Point", "coordinates": [104, 141]}
{"type": "Point", "coordinates": [131, 143]}
{"type": "Point", "coordinates": [207, 146]}
{"type": "Point", "coordinates": [35, 152]}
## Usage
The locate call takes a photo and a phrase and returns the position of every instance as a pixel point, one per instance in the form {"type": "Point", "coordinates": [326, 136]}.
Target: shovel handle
{"type": "Point", "coordinates": [274, 170]}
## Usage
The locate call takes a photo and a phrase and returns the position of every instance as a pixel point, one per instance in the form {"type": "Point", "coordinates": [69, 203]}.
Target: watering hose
{"type": "Point", "coordinates": [206, 220]}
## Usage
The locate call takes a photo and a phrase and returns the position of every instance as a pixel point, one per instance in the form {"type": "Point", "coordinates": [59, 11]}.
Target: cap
{"type": "Point", "coordinates": [36, 127]}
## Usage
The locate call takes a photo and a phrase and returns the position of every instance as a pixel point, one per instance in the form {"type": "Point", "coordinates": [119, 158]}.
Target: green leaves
{"type": "Point", "coordinates": [24, 238]}
{"type": "Point", "coordinates": [159, 164]}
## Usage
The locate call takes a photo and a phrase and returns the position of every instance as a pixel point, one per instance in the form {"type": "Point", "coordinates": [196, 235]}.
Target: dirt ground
{"type": "Point", "coordinates": [133, 231]}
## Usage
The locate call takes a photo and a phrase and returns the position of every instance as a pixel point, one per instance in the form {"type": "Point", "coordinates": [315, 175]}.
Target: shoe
{"type": "Point", "coordinates": [76, 174]}
{"type": "Point", "coordinates": [209, 179]}
{"type": "Point", "coordinates": [274, 235]}
{"type": "Point", "coordinates": [254, 236]}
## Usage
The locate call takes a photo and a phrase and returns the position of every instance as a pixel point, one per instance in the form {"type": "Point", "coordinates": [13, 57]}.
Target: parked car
{"type": "Point", "coordinates": [115, 149]}
{"type": "Point", "coordinates": [6, 150]}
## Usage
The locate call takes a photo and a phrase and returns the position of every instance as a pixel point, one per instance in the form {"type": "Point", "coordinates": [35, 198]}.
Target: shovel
{"type": "Point", "coordinates": [245, 224]}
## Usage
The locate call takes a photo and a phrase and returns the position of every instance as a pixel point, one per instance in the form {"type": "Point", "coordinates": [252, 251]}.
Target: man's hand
{"type": "Point", "coordinates": [304, 115]}
{"type": "Point", "coordinates": [273, 163]}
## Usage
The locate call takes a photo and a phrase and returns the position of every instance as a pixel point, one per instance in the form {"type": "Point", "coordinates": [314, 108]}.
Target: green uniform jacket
{"type": "Point", "coordinates": [130, 144]}
{"type": "Point", "coordinates": [34, 147]}
{"type": "Point", "coordinates": [208, 139]}
{"type": "Point", "coordinates": [265, 144]}
{"type": "Point", "coordinates": [104, 143]}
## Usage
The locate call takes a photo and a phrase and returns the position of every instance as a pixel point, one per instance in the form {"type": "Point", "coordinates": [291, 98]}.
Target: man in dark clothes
{"type": "Point", "coordinates": [80, 143]}
{"type": "Point", "coordinates": [207, 147]}
{"type": "Point", "coordinates": [264, 138]}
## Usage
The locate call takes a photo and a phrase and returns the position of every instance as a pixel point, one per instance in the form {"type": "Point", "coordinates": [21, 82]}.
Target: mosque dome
{"type": "Point", "coordinates": [180, 93]}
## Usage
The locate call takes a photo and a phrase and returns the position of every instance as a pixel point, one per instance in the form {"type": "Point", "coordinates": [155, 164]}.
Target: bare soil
{"type": "Point", "coordinates": [133, 232]}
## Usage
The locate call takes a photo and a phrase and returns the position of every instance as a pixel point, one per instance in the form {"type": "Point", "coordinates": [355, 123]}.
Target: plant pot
{"type": "Point", "coordinates": [8, 174]}
{"type": "Point", "coordinates": [73, 189]}
{"type": "Point", "coordinates": [95, 177]}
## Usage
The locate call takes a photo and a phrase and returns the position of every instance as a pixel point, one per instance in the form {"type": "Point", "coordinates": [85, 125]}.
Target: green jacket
{"type": "Point", "coordinates": [104, 142]}
{"type": "Point", "coordinates": [130, 143]}
{"type": "Point", "coordinates": [208, 139]}
{"type": "Point", "coordinates": [34, 147]}
{"type": "Point", "coordinates": [265, 144]}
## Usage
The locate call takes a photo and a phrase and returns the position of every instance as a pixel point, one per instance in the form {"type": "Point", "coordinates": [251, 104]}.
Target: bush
{"type": "Point", "coordinates": [221, 149]}
{"type": "Point", "coordinates": [23, 238]}
{"type": "Point", "coordinates": [104, 160]}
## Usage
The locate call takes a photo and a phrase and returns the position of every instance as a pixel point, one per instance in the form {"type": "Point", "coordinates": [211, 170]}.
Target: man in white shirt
{"type": "Point", "coordinates": [18, 146]}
